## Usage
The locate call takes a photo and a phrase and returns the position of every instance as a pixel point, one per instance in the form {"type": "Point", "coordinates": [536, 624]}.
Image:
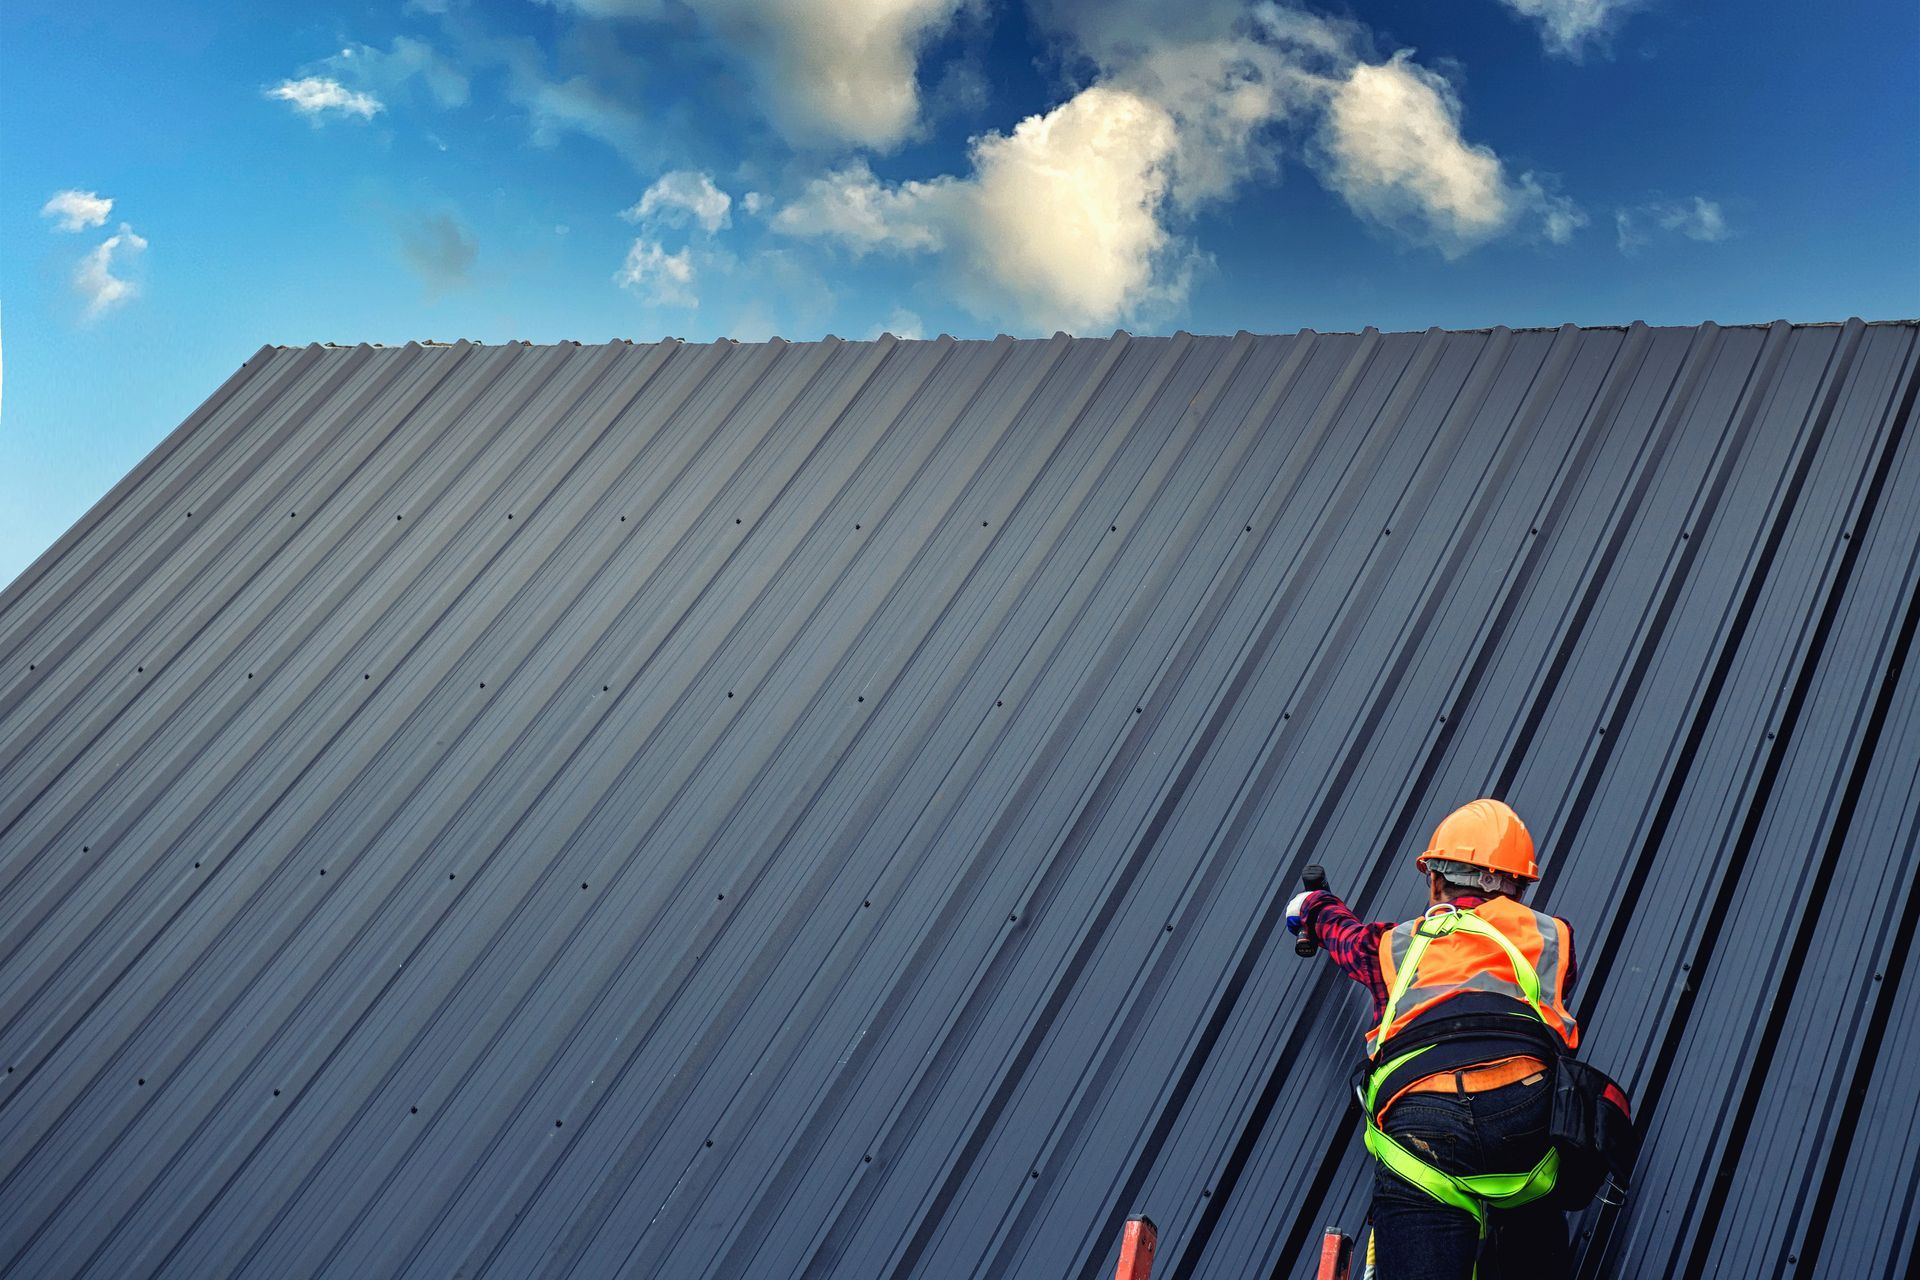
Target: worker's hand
{"type": "Point", "coordinates": [1296, 913]}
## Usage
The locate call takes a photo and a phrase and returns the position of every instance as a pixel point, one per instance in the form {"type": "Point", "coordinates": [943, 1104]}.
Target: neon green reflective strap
{"type": "Point", "coordinates": [1408, 1167]}
{"type": "Point", "coordinates": [1472, 1193]}
{"type": "Point", "coordinates": [1380, 1074]}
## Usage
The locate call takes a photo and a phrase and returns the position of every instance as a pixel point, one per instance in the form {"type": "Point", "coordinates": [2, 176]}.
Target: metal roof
{"type": "Point", "coordinates": [826, 808]}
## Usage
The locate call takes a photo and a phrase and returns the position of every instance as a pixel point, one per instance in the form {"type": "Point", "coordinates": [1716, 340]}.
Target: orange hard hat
{"type": "Point", "coordinates": [1486, 834]}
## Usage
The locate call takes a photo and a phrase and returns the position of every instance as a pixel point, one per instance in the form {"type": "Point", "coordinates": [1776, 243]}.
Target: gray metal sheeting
{"type": "Point", "coordinates": [825, 808]}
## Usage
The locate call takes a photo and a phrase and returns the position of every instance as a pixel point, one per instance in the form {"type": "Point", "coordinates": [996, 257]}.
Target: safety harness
{"type": "Point", "coordinates": [1473, 1193]}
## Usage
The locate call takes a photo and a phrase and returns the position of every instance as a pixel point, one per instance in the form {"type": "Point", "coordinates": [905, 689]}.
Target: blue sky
{"type": "Point", "coordinates": [181, 184]}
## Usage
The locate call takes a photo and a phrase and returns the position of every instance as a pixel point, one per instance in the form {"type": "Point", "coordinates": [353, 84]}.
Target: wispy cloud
{"type": "Point", "coordinates": [318, 97]}
{"type": "Point", "coordinates": [828, 72]}
{"type": "Point", "coordinates": [94, 279]}
{"type": "Point", "coordinates": [901, 323]}
{"type": "Point", "coordinates": [404, 65]}
{"type": "Point", "coordinates": [661, 278]}
{"type": "Point", "coordinates": [75, 210]}
{"type": "Point", "coordinates": [1569, 27]}
{"type": "Point", "coordinates": [1695, 218]}
{"type": "Point", "coordinates": [680, 197]}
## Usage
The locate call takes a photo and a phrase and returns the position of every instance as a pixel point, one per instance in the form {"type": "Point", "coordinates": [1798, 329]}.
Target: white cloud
{"type": "Point", "coordinates": [901, 323]}
{"type": "Point", "coordinates": [1566, 26]}
{"type": "Point", "coordinates": [94, 279]}
{"type": "Point", "coordinates": [664, 279]}
{"type": "Point", "coordinates": [1392, 149]}
{"type": "Point", "coordinates": [1073, 219]}
{"type": "Point", "coordinates": [829, 72]}
{"type": "Point", "coordinates": [75, 210]}
{"type": "Point", "coordinates": [317, 96]}
{"type": "Point", "coordinates": [679, 197]}
{"type": "Point", "coordinates": [855, 208]}
{"type": "Point", "coordinates": [386, 73]}
{"type": "Point", "coordinates": [1695, 218]}
{"type": "Point", "coordinates": [1059, 222]}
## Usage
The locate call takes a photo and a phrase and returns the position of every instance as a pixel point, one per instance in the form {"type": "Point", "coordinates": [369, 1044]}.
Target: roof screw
{"type": "Point", "coordinates": [983, 524]}
{"type": "Point", "coordinates": [143, 1080]}
{"type": "Point", "coordinates": [1249, 529]}
{"type": "Point", "coordinates": [998, 703]}
{"type": "Point", "coordinates": [583, 884]}
{"type": "Point", "coordinates": [856, 526]}
{"type": "Point", "coordinates": [413, 1111]}
{"type": "Point", "coordinates": [1169, 928]}
{"type": "Point", "coordinates": [1384, 533]}
{"type": "Point", "coordinates": [276, 1093]}
{"type": "Point", "coordinates": [1113, 528]}
{"type": "Point", "coordinates": [1531, 532]}
{"type": "Point", "coordinates": [1033, 1173]}
{"type": "Point", "coordinates": [556, 1124]}
{"type": "Point", "coordinates": [866, 1159]}
{"type": "Point", "coordinates": [860, 699]}
{"type": "Point", "coordinates": [709, 1141]}
{"type": "Point", "coordinates": [867, 903]}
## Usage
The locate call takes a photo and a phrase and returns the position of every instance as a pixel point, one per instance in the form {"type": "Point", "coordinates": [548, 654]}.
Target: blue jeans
{"type": "Point", "coordinates": [1503, 1130]}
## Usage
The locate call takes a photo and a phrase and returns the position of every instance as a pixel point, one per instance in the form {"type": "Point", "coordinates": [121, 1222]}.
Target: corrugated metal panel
{"type": "Point", "coordinates": [825, 809]}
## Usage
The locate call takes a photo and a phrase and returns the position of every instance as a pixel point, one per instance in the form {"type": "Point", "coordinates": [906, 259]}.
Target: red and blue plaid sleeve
{"type": "Point", "coordinates": [1350, 942]}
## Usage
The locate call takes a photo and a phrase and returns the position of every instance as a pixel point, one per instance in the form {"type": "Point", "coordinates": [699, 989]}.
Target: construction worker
{"type": "Point", "coordinates": [1458, 1090]}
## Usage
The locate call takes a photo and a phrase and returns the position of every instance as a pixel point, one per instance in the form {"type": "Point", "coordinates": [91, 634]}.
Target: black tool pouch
{"type": "Point", "coordinates": [1592, 1128]}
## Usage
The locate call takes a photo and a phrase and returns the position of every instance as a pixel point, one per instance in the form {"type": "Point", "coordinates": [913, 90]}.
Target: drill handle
{"type": "Point", "coordinates": [1314, 877]}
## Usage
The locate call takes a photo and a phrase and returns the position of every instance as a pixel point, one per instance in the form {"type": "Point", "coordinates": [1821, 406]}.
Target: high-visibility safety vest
{"type": "Point", "coordinates": [1498, 948]}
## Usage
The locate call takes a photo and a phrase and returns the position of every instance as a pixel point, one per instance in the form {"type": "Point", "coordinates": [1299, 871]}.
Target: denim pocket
{"type": "Point", "coordinates": [1509, 1101]}
{"type": "Point", "coordinates": [1435, 1127]}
